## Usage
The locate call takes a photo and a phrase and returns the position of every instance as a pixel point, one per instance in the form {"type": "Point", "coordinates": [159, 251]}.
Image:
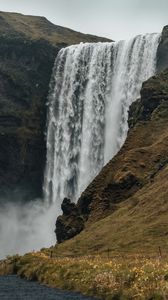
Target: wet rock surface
{"type": "Point", "coordinates": [29, 46]}
{"type": "Point", "coordinates": [70, 223]}
{"type": "Point", "coordinates": [25, 70]}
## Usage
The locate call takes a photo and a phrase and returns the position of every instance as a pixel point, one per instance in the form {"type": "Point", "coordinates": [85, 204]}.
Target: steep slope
{"type": "Point", "coordinates": [28, 49]}
{"type": "Point", "coordinates": [132, 188]}
{"type": "Point", "coordinates": [137, 162]}
{"type": "Point", "coordinates": [36, 28]}
{"type": "Point", "coordinates": [138, 225]}
{"type": "Point", "coordinates": [144, 153]}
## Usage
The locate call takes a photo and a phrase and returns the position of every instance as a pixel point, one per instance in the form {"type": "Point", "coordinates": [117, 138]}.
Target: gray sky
{"type": "Point", "coordinates": [116, 19]}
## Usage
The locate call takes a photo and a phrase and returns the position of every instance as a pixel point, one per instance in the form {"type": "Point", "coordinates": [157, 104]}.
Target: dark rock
{"type": "Point", "coordinates": [68, 207]}
{"type": "Point", "coordinates": [70, 223]}
{"type": "Point", "coordinates": [153, 94]}
{"type": "Point", "coordinates": [121, 189]}
{"type": "Point", "coordinates": [29, 46]}
{"type": "Point", "coordinates": [162, 53]}
{"type": "Point", "coordinates": [24, 78]}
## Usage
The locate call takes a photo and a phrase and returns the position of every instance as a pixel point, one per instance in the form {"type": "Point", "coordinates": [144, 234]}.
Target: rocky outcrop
{"type": "Point", "coordinates": [25, 69]}
{"type": "Point", "coordinates": [28, 49]}
{"type": "Point", "coordinates": [70, 223]}
{"type": "Point", "coordinates": [162, 53]}
{"type": "Point", "coordinates": [153, 94]}
{"type": "Point", "coordinates": [143, 156]}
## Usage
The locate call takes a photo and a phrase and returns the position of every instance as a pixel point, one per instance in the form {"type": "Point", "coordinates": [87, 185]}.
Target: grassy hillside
{"type": "Point", "coordinates": [126, 204]}
{"type": "Point", "coordinates": [35, 28]}
{"type": "Point", "coordinates": [138, 225]}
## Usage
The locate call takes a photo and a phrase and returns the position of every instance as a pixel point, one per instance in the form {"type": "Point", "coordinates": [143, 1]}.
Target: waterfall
{"type": "Point", "coordinates": [91, 89]}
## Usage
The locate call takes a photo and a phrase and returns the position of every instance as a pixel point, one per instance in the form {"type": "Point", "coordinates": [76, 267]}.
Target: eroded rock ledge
{"type": "Point", "coordinates": [70, 223]}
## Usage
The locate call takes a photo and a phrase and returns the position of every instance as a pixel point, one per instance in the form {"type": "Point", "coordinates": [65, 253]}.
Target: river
{"type": "Point", "coordinates": [15, 288]}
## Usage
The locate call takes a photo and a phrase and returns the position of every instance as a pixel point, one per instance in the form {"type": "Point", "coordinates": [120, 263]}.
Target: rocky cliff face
{"type": "Point", "coordinates": [162, 54]}
{"type": "Point", "coordinates": [139, 163]}
{"type": "Point", "coordinates": [28, 49]}
{"type": "Point", "coordinates": [143, 156]}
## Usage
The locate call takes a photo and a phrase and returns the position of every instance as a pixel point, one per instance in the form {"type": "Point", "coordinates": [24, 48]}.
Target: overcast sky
{"type": "Point", "coordinates": [116, 19]}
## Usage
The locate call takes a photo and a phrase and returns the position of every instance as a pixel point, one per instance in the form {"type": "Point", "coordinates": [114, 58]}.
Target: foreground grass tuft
{"type": "Point", "coordinates": [117, 278]}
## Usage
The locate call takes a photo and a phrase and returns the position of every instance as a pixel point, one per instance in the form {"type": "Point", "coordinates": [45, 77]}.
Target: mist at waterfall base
{"type": "Point", "coordinates": [26, 227]}
{"type": "Point", "coordinates": [91, 89]}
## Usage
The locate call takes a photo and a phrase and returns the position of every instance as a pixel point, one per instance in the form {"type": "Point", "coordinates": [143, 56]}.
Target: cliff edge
{"type": "Point", "coordinates": [137, 170]}
{"type": "Point", "coordinates": [29, 46]}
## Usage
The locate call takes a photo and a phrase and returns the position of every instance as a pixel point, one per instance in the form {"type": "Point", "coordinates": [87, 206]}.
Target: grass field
{"type": "Point", "coordinates": [131, 277]}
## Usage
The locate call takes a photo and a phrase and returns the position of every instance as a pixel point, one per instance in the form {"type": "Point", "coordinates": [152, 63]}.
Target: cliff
{"type": "Point", "coordinates": [135, 175]}
{"type": "Point", "coordinates": [125, 207]}
{"type": "Point", "coordinates": [29, 46]}
{"type": "Point", "coordinates": [162, 53]}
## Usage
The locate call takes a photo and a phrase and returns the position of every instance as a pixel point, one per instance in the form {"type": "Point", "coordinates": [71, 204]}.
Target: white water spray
{"type": "Point", "coordinates": [26, 227]}
{"type": "Point", "coordinates": [91, 90]}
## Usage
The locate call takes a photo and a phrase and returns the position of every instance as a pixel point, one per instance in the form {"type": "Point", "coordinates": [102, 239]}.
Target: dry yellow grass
{"type": "Point", "coordinates": [139, 225]}
{"type": "Point", "coordinates": [117, 278]}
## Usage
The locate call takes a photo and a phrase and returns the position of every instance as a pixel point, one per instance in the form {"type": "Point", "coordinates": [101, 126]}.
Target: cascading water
{"type": "Point", "coordinates": [91, 89]}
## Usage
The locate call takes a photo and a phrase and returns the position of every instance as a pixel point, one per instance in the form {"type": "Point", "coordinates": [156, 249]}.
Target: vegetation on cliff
{"type": "Point", "coordinates": [122, 251]}
{"type": "Point", "coordinates": [126, 204]}
{"type": "Point", "coordinates": [124, 210]}
{"type": "Point", "coordinates": [29, 46]}
{"type": "Point", "coordinates": [35, 28]}
{"type": "Point", "coordinates": [135, 173]}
